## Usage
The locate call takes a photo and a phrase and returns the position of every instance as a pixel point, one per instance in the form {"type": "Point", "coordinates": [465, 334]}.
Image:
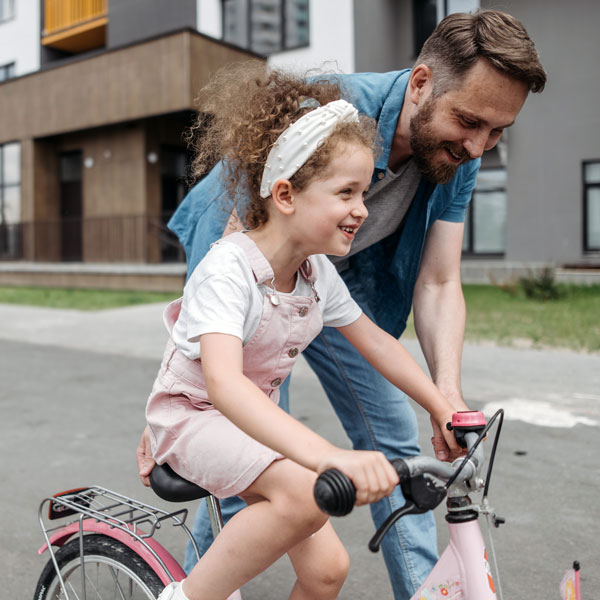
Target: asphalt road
{"type": "Point", "coordinates": [73, 392]}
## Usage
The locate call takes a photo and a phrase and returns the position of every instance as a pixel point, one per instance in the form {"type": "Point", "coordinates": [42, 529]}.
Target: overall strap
{"type": "Point", "coordinates": [258, 263]}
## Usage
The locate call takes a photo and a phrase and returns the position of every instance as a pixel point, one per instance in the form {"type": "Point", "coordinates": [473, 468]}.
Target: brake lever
{"type": "Point", "coordinates": [421, 494]}
{"type": "Point", "coordinates": [408, 509]}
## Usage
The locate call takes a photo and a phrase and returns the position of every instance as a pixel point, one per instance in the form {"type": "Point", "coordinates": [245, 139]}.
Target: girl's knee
{"type": "Point", "coordinates": [300, 511]}
{"type": "Point", "coordinates": [328, 576]}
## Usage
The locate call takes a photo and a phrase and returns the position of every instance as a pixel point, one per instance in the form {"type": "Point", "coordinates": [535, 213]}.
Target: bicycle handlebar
{"type": "Point", "coordinates": [335, 493]}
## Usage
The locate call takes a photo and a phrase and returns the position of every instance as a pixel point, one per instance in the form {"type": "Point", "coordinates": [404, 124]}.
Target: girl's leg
{"type": "Point", "coordinates": [321, 564]}
{"type": "Point", "coordinates": [281, 513]}
{"type": "Point", "coordinates": [201, 529]}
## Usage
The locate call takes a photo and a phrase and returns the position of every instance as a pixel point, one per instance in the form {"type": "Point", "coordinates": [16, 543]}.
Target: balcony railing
{"type": "Point", "coordinates": [138, 238]}
{"type": "Point", "coordinates": [75, 25]}
{"type": "Point", "coordinates": [62, 14]}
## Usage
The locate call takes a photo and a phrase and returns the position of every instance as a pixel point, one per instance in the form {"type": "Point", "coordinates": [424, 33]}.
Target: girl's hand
{"type": "Point", "coordinates": [371, 473]}
{"type": "Point", "coordinates": [145, 461]}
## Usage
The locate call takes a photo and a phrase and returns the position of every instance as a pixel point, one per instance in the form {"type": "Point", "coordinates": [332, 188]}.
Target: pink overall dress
{"type": "Point", "coordinates": [192, 436]}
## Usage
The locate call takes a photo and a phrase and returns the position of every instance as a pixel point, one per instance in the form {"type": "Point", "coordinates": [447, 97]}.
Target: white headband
{"type": "Point", "coordinates": [296, 144]}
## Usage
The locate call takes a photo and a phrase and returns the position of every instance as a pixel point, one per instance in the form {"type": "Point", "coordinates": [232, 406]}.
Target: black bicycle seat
{"type": "Point", "coordinates": [172, 487]}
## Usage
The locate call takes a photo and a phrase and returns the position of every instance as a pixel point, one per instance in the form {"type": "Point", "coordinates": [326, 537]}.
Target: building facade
{"type": "Point", "coordinates": [96, 94]}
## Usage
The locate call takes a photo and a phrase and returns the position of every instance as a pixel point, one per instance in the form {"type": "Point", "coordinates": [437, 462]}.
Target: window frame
{"type": "Point", "coordinates": [470, 220]}
{"type": "Point", "coordinates": [12, 10]}
{"type": "Point", "coordinates": [11, 232]}
{"type": "Point", "coordinates": [246, 13]}
{"type": "Point", "coordinates": [586, 186]}
{"type": "Point", "coordinates": [8, 70]}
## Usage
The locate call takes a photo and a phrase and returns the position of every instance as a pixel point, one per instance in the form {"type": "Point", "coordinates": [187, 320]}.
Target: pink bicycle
{"type": "Point", "coordinates": [109, 549]}
{"type": "Point", "coordinates": [463, 571]}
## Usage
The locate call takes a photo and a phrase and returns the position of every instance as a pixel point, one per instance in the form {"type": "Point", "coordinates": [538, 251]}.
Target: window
{"type": "Point", "coordinates": [7, 10]}
{"type": "Point", "coordinates": [428, 13]}
{"type": "Point", "coordinates": [10, 200]}
{"type": "Point", "coordinates": [486, 218]}
{"type": "Point", "coordinates": [591, 205]}
{"type": "Point", "coordinates": [266, 26]}
{"type": "Point", "coordinates": [7, 71]}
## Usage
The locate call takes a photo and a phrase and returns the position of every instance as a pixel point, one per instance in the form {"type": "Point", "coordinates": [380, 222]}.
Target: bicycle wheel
{"type": "Point", "coordinates": [112, 570]}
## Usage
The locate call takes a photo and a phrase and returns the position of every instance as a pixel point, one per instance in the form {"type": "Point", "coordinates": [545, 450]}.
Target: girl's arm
{"type": "Point", "coordinates": [248, 407]}
{"type": "Point", "coordinates": [394, 362]}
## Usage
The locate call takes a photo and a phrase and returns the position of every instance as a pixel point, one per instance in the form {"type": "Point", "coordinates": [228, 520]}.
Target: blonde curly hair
{"type": "Point", "coordinates": [244, 109]}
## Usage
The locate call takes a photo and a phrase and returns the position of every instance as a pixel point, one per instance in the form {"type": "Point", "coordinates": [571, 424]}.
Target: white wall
{"type": "Point", "coordinates": [331, 39]}
{"type": "Point", "coordinates": [208, 18]}
{"type": "Point", "coordinates": [331, 35]}
{"type": "Point", "coordinates": [20, 38]}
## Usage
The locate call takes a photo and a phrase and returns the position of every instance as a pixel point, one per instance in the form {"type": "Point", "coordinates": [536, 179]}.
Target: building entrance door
{"type": "Point", "coordinates": [71, 201]}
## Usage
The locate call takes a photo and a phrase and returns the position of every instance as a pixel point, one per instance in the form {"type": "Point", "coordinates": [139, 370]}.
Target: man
{"type": "Point", "coordinates": [435, 121]}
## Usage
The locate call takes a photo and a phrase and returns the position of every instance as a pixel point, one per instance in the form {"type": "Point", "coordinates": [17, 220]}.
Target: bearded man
{"type": "Point", "coordinates": [435, 121]}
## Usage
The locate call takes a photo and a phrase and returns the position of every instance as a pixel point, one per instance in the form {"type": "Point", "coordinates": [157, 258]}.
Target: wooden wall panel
{"type": "Point", "coordinates": [155, 77]}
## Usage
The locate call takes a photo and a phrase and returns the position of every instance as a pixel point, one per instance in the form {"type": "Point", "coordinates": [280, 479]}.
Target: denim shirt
{"type": "Point", "coordinates": [385, 272]}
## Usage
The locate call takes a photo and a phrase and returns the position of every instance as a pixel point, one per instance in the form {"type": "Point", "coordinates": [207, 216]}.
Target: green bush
{"type": "Point", "coordinates": [541, 286]}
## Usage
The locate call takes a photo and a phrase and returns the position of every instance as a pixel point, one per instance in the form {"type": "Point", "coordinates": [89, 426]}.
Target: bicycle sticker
{"type": "Point", "coordinates": [451, 590]}
{"type": "Point", "coordinates": [488, 571]}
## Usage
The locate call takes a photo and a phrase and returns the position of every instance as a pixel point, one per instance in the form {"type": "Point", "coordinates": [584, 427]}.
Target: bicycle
{"type": "Point", "coordinates": [109, 550]}
{"type": "Point", "coordinates": [463, 571]}
{"type": "Point", "coordinates": [106, 550]}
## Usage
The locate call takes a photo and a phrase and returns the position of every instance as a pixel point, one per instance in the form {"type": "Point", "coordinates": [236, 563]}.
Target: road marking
{"type": "Point", "coordinates": [537, 413]}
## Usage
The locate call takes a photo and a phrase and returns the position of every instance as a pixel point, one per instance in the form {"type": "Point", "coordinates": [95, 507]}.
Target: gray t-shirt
{"type": "Point", "coordinates": [388, 202]}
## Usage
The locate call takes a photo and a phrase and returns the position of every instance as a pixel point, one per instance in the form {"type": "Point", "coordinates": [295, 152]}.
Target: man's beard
{"type": "Point", "coordinates": [425, 146]}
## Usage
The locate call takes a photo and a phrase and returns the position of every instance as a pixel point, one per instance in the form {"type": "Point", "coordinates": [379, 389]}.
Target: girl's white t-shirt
{"type": "Point", "coordinates": [222, 296]}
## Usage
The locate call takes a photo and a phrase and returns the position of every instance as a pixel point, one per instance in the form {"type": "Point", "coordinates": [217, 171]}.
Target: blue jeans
{"type": "Point", "coordinates": [376, 416]}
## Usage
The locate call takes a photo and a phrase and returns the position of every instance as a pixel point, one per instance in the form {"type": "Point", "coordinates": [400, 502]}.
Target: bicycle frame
{"type": "Point", "coordinates": [463, 570]}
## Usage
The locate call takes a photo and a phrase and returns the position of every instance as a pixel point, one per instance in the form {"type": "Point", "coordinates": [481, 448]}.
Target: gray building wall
{"type": "Point", "coordinates": [554, 133]}
{"type": "Point", "coordinates": [383, 33]}
{"type": "Point", "coordinates": [135, 20]}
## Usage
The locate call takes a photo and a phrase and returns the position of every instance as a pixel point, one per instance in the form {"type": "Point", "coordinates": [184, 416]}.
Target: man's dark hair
{"type": "Point", "coordinates": [461, 39]}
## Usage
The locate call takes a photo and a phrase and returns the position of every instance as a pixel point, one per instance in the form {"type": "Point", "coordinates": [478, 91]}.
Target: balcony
{"type": "Point", "coordinates": [75, 25]}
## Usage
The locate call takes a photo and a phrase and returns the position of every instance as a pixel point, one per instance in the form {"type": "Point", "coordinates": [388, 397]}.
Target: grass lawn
{"type": "Point", "coordinates": [80, 299]}
{"type": "Point", "coordinates": [508, 317]}
{"type": "Point", "coordinates": [503, 316]}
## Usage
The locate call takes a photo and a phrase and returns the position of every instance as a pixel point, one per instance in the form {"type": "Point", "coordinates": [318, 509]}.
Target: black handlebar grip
{"type": "Point", "coordinates": [334, 493]}
{"type": "Point", "coordinates": [401, 468]}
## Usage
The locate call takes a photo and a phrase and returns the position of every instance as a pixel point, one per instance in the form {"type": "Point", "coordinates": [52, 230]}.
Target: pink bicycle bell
{"type": "Point", "coordinates": [465, 422]}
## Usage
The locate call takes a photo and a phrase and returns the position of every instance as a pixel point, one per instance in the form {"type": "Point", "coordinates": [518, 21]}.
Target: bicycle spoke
{"type": "Point", "coordinates": [117, 584]}
{"type": "Point", "coordinates": [114, 573]}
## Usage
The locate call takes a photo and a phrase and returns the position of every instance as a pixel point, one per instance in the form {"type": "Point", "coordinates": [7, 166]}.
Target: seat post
{"type": "Point", "coordinates": [214, 514]}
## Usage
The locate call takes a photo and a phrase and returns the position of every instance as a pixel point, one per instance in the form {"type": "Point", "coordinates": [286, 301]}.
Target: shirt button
{"type": "Point", "coordinates": [302, 311]}
{"type": "Point", "coordinates": [276, 382]}
{"type": "Point", "coordinates": [293, 352]}
{"type": "Point", "coordinates": [380, 175]}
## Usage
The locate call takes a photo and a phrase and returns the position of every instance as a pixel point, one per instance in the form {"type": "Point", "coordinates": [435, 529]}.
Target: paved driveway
{"type": "Point", "coordinates": [73, 392]}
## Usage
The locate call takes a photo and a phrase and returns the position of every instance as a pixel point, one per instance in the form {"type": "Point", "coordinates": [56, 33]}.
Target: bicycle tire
{"type": "Point", "coordinates": [110, 567]}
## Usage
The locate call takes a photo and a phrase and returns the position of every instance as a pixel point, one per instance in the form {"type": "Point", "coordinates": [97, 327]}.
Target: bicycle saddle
{"type": "Point", "coordinates": [173, 488]}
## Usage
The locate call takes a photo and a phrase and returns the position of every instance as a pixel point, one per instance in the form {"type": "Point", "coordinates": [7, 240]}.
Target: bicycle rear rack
{"type": "Point", "coordinates": [113, 509]}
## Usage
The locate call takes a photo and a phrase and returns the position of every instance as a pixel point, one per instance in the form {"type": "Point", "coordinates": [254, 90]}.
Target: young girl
{"type": "Point", "coordinates": [251, 306]}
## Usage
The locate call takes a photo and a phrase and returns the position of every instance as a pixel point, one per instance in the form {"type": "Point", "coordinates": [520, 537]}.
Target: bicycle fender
{"type": "Point", "coordinates": [93, 526]}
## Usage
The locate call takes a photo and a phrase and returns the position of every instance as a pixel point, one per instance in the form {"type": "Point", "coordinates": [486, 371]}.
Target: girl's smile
{"type": "Point", "coordinates": [329, 212]}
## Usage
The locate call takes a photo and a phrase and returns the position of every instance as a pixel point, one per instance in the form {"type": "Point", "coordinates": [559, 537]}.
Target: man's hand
{"type": "Point", "coordinates": [144, 458]}
{"type": "Point", "coordinates": [441, 434]}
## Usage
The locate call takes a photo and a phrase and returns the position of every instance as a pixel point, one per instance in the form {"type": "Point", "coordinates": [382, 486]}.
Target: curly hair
{"type": "Point", "coordinates": [244, 109]}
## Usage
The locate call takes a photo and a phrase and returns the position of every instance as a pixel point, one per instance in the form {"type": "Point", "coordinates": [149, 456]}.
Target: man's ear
{"type": "Point", "coordinates": [420, 83]}
{"type": "Point", "coordinates": [283, 196]}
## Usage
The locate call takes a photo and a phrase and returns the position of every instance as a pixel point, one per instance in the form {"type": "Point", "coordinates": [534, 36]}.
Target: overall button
{"type": "Point", "coordinates": [293, 352]}
{"type": "Point", "coordinates": [380, 175]}
{"type": "Point", "coordinates": [276, 382]}
{"type": "Point", "coordinates": [302, 311]}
